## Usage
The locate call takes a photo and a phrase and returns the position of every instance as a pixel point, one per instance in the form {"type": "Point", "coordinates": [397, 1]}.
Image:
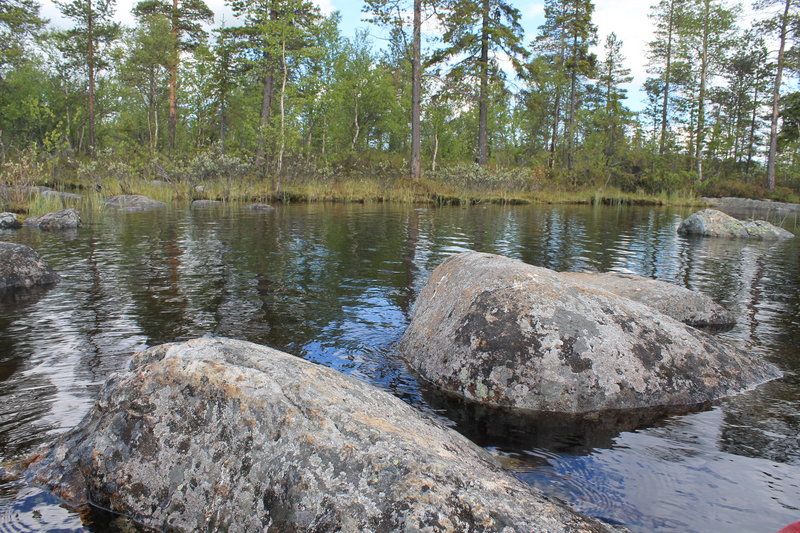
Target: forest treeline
{"type": "Point", "coordinates": [280, 94]}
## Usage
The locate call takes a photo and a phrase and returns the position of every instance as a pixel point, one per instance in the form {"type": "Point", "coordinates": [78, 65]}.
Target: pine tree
{"type": "Point", "coordinates": [474, 29]}
{"type": "Point", "coordinates": [93, 31]}
{"type": "Point", "coordinates": [186, 19]}
{"type": "Point", "coordinates": [781, 23]}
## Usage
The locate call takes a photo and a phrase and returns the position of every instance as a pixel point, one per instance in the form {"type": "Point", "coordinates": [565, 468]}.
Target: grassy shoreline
{"type": "Point", "coordinates": [29, 201]}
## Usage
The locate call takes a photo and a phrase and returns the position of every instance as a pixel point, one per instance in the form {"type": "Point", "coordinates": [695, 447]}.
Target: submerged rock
{"type": "Point", "coordinates": [9, 221]}
{"type": "Point", "coordinates": [133, 202]}
{"type": "Point", "coordinates": [690, 307]}
{"type": "Point", "coordinates": [206, 203]}
{"type": "Point", "coordinates": [713, 223]}
{"type": "Point", "coordinates": [21, 267]}
{"type": "Point", "coordinates": [225, 435]}
{"type": "Point", "coordinates": [259, 207]}
{"type": "Point", "coordinates": [57, 220]}
{"type": "Point", "coordinates": [500, 332]}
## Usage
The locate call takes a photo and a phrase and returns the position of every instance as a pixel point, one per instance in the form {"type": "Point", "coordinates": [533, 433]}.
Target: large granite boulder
{"type": "Point", "coordinates": [21, 267]}
{"type": "Point", "coordinates": [690, 307]}
{"type": "Point", "coordinates": [133, 202]}
{"type": "Point", "coordinates": [501, 332]}
{"type": "Point", "coordinates": [225, 435]}
{"type": "Point", "coordinates": [57, 220]}
{"type": "Point", "coordinates": [9, 221]}
{"type": "Point", "coordinates": [713, 223]}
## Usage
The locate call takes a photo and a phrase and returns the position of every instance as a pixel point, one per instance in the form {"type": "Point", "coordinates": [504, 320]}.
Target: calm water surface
{"type": "Point", "coordinates": [335, 284]}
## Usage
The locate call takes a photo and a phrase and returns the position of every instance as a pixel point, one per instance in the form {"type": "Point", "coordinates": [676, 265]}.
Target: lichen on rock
{"type": "Point", "coordinates": [500, 332]}
{"type": "Point", "coordinates": [217, 434]}
{"type": "Point", "coordinates": [713, 223]}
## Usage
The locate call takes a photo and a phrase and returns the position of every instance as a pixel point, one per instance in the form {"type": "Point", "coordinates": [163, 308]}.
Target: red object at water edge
{"type": "Point", "coordinates": [794, 527]}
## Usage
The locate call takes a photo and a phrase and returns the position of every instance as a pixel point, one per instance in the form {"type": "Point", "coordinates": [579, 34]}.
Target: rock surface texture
{"type": "Point", "coordinates": [690, 307]}
{"type": "Point", "coordinates": [133, 202]}
{"type": "Point", "coordinates": [57, 220]}
{"type": "Point", "coordinates": [501, 332]}
{"type": "Point", "coordinates": [225, 435]}
{"type": "Point", "coordinates": [9, 221]}
{"type": "Point", "coordinates": [21, 267]}
{"type": "Point", "coordinates": [713, 223]}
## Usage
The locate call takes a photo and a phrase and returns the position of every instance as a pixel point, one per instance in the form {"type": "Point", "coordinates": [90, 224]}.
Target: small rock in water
{"type": "Point", "coordinates": [713, 223]}
{"type": "Point", "coordinates": [500, 332]}
{"type": "Point", "coordinates": [133, 202]}
{"type": "Point", "coordinates": [57, 220]}
{"type": "Point", "coordinates": [21, 267]}
{"type": "Point", "coordinates": [224, 435]}
{"type": "Point", "coordinates": [9, 221]}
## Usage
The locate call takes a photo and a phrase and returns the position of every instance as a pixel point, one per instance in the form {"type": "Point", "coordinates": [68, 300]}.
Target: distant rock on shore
{"type": "Point", "coordinates": [57, 220]}
{"type": "Point", "coordinates": [713, 223]}
{"type": "Point", "coordinates": [133, 202]}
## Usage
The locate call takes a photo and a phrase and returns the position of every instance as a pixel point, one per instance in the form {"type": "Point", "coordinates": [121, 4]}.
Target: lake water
{"type": "Point", "coordinates": [335, 284]}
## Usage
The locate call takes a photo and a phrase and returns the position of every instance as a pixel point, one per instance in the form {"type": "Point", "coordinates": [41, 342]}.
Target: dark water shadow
{"type": "Point", "coordinates": [13, 300]}
{"type": "Point", "coordinates": [517, 430]}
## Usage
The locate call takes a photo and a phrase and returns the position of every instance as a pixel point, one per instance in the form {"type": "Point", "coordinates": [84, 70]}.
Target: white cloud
{"type": "Point", "coordinates": [630, 21]}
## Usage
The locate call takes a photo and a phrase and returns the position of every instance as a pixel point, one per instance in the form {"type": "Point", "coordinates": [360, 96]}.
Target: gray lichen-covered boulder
{"type": "Point", "coordinates": [225, 435]}
{"type": "Point", "coordinates": [57, 220]}
{"type": "Point", "coordinates": [259, 207]}
{"type": "Point", "coordinates": [9, 221]}
{"type": "Point", "coordinates": [21, 267]}
{"type": "Point", "coordinates": [690, 307]}
{"type": "Point", "coordinates": [501, 332]}
{"type": "Point", "coordinates": [713, 223]}
{"type": "Point", "coordinates": [133, 202]}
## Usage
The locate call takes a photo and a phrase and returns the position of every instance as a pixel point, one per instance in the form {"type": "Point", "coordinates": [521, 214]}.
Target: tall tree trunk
{"type": "Point", "coordinates": [279, 173]}
{"type": "Point", "coordinates": [173, 80]}
{"type": "Point", "coordinates": [551, 162]}
{"type": "Point", "coordinates": [573, 85]}
{"type": "Point", "coordinates": [222, 106]}
{"type": "Point", "coordinates": [435, 149]}
{"type": "Point", "coordinates": [483, 97]}
{"type": "Point", "coordinates": [91, 65]}
{"type": "Point", "coordinates": [776, 101]}
{"type": "Point", "coordinates": [416, 89]}
{"type": "Point", "coordinates": [268, 90]}
{"type": "Point", "coordinates": [701, 99]}
{"type": "Point", "coordinates": [751, 138]}
{"type": "Point", "coordinates": [662, 143]}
